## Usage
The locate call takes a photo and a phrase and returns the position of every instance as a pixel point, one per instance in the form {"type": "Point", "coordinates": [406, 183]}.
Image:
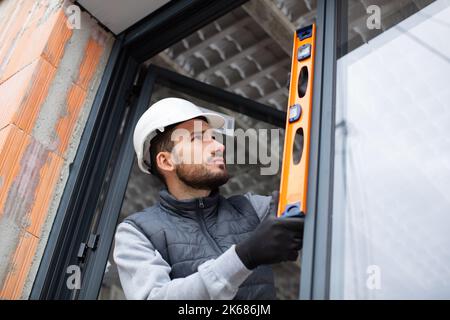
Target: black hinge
{"type": "Point", "coordinates": [82, 251]}
{"type": "Point", "coordinates": [93, 240]}
{"type": "Point", "coordinates": [91, 244]}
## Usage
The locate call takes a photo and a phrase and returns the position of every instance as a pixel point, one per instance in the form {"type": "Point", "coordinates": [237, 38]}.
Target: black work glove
{"type": "Point", "coordinates": [274, 240]}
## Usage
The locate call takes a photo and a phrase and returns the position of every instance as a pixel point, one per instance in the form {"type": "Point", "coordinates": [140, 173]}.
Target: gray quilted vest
{"type": "Point", "coordinates": [190, 232]}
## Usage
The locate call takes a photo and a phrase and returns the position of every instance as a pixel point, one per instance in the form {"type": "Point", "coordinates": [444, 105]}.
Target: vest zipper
{"type": "Point", "coordinates": [205, 232]}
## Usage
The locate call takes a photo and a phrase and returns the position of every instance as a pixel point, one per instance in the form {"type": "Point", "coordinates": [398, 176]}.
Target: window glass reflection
{"type": "Point", "coordinates": [392, 157]}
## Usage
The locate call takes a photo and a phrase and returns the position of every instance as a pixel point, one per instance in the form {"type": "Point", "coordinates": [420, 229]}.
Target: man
{"type": "Point", "coordinates": [196, 244]}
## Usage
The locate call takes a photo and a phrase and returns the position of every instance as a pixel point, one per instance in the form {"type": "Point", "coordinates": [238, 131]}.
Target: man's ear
{"type": "Point", "coordinates": [164, 161]}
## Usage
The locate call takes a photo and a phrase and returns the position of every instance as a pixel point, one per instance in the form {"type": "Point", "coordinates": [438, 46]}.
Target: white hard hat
{"type": "Point", "coordinates": [161, 114]}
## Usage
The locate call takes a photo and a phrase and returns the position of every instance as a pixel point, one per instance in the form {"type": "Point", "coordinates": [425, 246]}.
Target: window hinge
{"type": "Point", "coordinates": [93, 240]}
{"type": "Point", "coordinates": [91, 244]}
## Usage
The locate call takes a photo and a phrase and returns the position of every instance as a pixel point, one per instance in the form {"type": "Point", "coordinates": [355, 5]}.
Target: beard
{"type": "Point", "coordinates": [197, 176]}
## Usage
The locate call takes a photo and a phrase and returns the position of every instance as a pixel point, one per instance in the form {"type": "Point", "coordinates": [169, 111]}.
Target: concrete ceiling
{"type": "Point", "coordinates": [118, 15]}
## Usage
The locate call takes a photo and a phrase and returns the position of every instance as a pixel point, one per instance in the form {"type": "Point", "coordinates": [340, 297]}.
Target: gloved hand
{"type": "Point", "coordinates": [274, 240]}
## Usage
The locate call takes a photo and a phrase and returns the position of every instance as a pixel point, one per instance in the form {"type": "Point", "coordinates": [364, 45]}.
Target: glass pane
{"type": "Point", "coordinates": [392, 154]}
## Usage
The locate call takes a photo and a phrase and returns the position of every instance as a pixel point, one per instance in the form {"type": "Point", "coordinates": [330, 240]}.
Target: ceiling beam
{"type": "Point", "coordinates": [259, 74]}
{"type": "Point", "coordinates": [244, 53]}
{"type": "Point", "coordinates": [166, 61]}
{"type": "Point", "coordinates": [218, 36]}
{"type": "Point", "coordinates": [273, 22]}
{"type": "Point", "coordinates": [270, 95]}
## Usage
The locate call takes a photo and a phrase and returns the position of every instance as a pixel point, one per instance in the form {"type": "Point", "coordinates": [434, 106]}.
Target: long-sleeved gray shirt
{"type": "Point", "coordinates": [144, 274]}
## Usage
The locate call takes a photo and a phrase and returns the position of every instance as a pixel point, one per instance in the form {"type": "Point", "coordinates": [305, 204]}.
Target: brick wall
{"type": "Point", "coordinates": [49, 74]}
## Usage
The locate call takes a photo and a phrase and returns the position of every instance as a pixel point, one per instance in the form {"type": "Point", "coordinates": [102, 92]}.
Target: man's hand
{"type": "Point", "coordinates": [274, 240]}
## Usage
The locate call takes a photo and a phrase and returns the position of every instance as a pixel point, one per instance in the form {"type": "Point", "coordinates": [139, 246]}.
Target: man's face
{"type": "Point", "coordinates": [199, 156]}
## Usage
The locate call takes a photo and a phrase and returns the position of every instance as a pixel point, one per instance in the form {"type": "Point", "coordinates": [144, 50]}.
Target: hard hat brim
{"type": "Point", "coordinates": [214, 120]}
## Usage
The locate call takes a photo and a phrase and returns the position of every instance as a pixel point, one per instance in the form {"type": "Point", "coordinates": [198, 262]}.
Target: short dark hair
{"type": "Point", "coordinates": [162, 142]}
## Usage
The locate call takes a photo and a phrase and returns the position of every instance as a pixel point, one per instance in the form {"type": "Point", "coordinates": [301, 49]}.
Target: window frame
{"type": "Point", "coordinates": [123, 81]}
{"type": "Point", "coordinates": [315, 268]}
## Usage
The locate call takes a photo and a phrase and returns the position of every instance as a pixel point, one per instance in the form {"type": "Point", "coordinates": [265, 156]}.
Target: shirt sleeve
{"type": "Point", "coordinates": [144, 274]}
{"type": "Point", "coordinates": [264, 205]}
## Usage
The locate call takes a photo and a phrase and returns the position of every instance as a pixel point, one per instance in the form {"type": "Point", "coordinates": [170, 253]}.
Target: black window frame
{"type": "Point", "coordinates": [122, 79]}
